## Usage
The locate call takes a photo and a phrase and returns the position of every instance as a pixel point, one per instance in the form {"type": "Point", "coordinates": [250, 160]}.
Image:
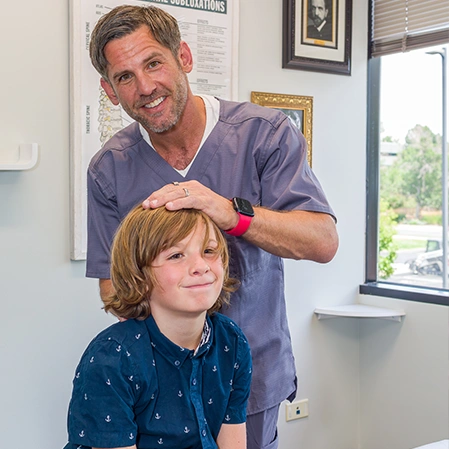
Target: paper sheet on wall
{"type": "Point", "coordinates": [210, 27]}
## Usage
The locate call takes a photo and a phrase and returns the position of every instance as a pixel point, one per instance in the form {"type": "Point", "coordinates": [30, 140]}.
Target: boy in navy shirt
{"type": "Point", "coordinates": [175, 373]}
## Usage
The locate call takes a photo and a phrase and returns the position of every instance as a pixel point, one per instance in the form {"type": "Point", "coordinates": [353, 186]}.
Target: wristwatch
{"type": "Point", "coordinates": [246, 213]}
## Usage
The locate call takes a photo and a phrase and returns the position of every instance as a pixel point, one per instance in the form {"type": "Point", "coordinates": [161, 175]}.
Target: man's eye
{"type": "Point", "coordinates": [153, 64]}
{"type": "Point", "coordinates": [124, 78]}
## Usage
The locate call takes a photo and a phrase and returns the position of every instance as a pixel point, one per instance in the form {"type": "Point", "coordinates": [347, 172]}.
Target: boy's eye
{"type": "Point", "coordinates": [211, 251]}
{"type": "Point", "coordinates": [175, 256]}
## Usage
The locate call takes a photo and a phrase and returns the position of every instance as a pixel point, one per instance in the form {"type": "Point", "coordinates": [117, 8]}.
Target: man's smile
{"type": "Point", "coordinates": [154, 103]}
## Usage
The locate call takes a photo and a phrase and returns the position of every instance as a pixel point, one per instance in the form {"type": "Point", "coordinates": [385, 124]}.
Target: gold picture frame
{"type": "Point", "coordinates": [290, 105]}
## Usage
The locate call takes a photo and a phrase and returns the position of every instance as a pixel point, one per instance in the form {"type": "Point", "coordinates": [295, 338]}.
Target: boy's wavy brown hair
{"type": "Point", "coordinates": [141, 237]}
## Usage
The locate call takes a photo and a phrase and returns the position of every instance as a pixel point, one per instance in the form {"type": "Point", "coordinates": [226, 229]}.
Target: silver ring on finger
{"type": "Point", "coordinates": [175, 183]}
{"type": "Point", "coordinates": [186, 191]}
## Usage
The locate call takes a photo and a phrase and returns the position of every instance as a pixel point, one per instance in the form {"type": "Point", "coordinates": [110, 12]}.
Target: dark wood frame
{"type": "Point", "coordinates": [292, 60]}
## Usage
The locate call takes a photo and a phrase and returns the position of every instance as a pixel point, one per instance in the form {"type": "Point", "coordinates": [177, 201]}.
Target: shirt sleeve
{"type": "Point", "coordinates": [103, 219]}
{"type": "Point", "coordinates": [287, 181]}
{"type": "Point", "coordinates": [236, 410]}
{"type": "Point", "coordinates": [101, 411]}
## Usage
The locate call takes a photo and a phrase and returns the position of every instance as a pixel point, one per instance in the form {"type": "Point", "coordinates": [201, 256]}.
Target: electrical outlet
{"type": "Point", "coordinates": [297, 410]}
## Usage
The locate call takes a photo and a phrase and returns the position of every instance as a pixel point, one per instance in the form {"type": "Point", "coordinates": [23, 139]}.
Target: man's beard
{"type": "Point", "coordinates": [179, 97]}
{"type": "Point", "coordinates": [318, 21]}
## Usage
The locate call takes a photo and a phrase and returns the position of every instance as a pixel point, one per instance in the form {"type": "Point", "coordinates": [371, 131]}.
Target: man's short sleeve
{"type": "Point", "coordinates": [287, 181]}
{"type": "Point", "coordinates": [103, 220]}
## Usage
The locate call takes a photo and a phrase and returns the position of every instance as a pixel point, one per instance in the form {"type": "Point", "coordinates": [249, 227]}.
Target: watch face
{"type": "Point", "coordinates": [243, 206]}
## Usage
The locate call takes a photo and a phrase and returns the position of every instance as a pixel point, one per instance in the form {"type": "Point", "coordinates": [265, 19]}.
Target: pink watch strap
{"type": "Point", "coordinates": [242, 226]}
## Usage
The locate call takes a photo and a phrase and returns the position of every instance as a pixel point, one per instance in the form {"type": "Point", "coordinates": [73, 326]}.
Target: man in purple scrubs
{"type": "Point", "coordinates": [242, 164]}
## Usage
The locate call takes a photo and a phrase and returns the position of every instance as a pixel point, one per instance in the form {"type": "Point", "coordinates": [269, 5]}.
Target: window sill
{"type": "Point", "coordinates": [406, 292]}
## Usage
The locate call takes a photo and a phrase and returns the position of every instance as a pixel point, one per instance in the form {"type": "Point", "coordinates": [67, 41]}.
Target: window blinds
{"type": "Point", "coordinates": [401, 25]}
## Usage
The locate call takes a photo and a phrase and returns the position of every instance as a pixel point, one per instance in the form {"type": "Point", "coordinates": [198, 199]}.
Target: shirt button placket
{"type": "Point", "coordinates": [196, 397]}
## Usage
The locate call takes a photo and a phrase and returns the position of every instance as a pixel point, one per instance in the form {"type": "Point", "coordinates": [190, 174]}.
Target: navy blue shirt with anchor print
{"type": "Point", "coordinates": [134, 386]}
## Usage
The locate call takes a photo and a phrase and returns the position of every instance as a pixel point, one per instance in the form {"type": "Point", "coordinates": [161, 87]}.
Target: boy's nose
{"type": "Point", "coordinates": [200, 266]}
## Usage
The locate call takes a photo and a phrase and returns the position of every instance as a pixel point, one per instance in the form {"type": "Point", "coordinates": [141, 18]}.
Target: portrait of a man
{"type": "Point", "coordinates": [320, 20]}
{"type": "Point", "coordinates": [296, 117]}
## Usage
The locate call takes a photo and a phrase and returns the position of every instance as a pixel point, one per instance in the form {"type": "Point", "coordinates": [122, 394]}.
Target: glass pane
{"type": "Point", "coordinates": [411, 181]}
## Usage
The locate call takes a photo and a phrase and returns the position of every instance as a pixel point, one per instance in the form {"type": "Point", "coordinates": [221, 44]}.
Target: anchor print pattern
{"type": "Point", "coordinates": [219, 369]}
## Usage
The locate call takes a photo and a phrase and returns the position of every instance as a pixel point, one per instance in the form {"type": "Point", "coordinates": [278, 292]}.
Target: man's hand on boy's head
{"type": "Point", "coordinates": [194, 195]}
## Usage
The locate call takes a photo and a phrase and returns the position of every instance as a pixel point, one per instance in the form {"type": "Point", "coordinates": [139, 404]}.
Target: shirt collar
{"type": "Point", "coordinates": [173, 353]}
{"type": "Point", "coordinates": [322, 25]}
{"type": "Point", "coordinates": [212, 107]}
{"type": "Point", "coordinates": [203, 345]}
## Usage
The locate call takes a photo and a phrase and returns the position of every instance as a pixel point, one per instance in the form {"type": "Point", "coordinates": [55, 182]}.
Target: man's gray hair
{"type": "Point", "coordinates": [124, 20]}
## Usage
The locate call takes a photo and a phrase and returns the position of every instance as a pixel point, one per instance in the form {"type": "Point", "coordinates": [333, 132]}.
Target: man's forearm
{"type": "Point", "coordinates": [290, 234]}
{"type": "Point", "coordinates": [294, 234]}
{"type": "Point", "coordinates": [106, 288]}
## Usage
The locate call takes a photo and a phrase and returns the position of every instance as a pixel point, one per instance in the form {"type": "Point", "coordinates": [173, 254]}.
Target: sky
{"type": "Point", "coordinates": [411, 92]}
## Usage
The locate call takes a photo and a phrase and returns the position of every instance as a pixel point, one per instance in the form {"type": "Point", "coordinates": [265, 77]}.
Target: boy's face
{"type": "Point", "coordinates": [189, 275]}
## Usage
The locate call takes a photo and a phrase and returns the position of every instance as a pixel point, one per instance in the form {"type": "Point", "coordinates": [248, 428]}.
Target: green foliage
{"type": "Point", "coordinates": [421, 165]}
{"type": "Point", "coordinates": [390, 186]}
{"type": "Point", "coordinates": [387, 247]}
{"type": "Point", "coordinates": [389, 139]}
{"type": "Point", "coordinates": [432, 219]}
{"type": "Point", "coordinates": [410, 244]}
{"type": "Point", "coordinates": [416, 173]}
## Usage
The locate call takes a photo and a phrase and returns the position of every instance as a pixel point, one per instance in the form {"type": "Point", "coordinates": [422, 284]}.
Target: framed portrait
{"type": "Point", "coordinates": [298, 109]}
{"type": "Point", "coordinates": [317, 35]}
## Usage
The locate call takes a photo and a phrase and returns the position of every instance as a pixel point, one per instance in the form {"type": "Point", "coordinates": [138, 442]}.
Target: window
{"type": "Point", "coordinates": [405, 197]}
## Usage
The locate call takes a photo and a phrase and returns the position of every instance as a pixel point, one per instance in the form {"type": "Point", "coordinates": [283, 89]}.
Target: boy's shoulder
{"type": "Point", "coordinates": [125, 334]}
{"type": "Point", "coordinates": [223, 323]}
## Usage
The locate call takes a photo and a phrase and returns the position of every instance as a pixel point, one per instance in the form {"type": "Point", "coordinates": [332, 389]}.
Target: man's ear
{"type": "Point", "coordinates": [109, 91]}
{"type": "Point", "coordinates": [185, 57]}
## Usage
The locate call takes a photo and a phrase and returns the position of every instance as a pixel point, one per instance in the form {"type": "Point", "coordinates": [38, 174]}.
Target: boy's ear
{"type": "Point", "coordinates": [109, 91]}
